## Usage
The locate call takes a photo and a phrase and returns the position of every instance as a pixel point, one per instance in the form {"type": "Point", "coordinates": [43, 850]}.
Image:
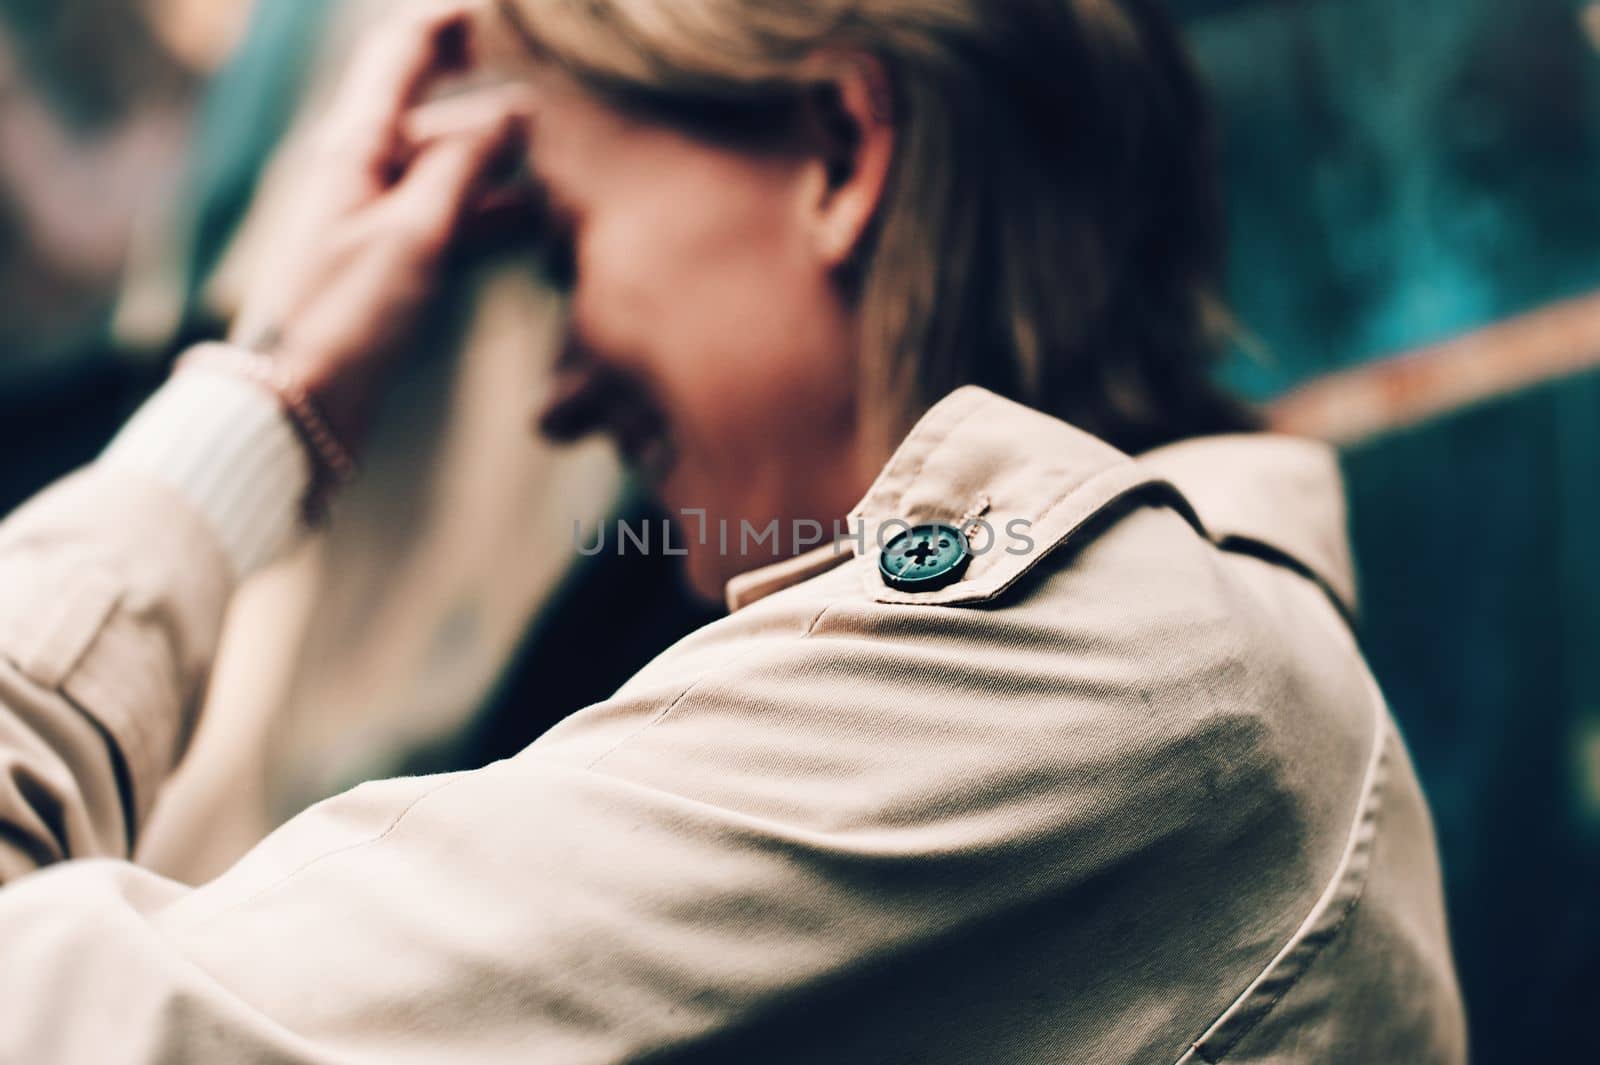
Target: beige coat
{"type": "Point", "coordinates": [1131, 796]}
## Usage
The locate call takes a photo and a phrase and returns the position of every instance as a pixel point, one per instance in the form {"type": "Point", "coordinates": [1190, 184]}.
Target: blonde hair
{"type": "Point", "coordinates": [1052, 229]}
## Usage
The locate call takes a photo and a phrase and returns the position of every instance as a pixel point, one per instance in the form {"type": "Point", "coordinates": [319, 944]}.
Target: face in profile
{"type": "Point", "coordinates": [708, 335]}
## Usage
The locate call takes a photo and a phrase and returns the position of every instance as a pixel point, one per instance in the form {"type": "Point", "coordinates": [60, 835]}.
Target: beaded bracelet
{"type": "Point", "coordinates": [332, 464]}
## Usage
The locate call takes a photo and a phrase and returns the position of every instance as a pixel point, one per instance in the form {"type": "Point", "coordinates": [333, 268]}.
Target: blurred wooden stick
{"type": "Point", "coordinates": [1410, 388]}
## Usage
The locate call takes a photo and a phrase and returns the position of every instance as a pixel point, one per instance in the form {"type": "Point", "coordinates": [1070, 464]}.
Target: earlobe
{"type": "Point", "coordinates": [854, 120]}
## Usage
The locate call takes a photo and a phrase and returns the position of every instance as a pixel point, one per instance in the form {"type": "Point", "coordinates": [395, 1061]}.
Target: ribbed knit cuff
{"type": "Point", "coordinates": [227, 446]}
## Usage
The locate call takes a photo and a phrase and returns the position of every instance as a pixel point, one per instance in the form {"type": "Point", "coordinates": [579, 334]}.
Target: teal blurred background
{"type": "Point", "coordinates": [1398, 175]}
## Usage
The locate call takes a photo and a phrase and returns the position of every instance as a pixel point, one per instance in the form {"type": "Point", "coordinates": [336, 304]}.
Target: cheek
{"type": "Point", "coordinates": [705, 292]}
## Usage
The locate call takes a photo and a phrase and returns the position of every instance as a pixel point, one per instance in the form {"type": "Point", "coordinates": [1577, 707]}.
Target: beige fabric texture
{"type": "Point", "coordinates": [1132, 796]}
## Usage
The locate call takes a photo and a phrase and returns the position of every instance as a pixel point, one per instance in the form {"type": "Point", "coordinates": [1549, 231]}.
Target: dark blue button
{"type": "Point", "coordinates": [925, 558]}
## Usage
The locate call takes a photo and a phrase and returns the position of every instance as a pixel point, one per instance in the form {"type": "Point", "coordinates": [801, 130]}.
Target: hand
{"type": "Point", "coordinates": [390, 184]}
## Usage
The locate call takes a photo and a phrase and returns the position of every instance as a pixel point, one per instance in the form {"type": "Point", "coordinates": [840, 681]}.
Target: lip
{"type": "Point", "coordinates": [585, 399]}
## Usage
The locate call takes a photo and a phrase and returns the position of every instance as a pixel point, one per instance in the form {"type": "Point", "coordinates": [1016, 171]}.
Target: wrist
{"type": "Point", "coordinates": [338, 389]}
{"type": "Point", "coordinates": [339, 394]}
{"type": "Point", "coordinates": [330, 460]}
{"type": "Point", "coordinates": [227, 447]}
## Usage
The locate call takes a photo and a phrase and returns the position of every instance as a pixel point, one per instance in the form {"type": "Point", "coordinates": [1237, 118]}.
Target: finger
{"type": "Point", "coordinates": [464, 113]}
{"type": "Point", "coordinates": [395, 65]}
{"type": "Point", "coordinates": [446, 176]}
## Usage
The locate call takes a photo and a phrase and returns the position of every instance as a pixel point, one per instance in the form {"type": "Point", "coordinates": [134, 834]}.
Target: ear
{"type": "Point", "coordinates": [851, 120]}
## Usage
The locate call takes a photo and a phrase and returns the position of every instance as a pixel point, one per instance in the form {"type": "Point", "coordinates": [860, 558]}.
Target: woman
{"type": "Point", "coordinates": [1049, 754]}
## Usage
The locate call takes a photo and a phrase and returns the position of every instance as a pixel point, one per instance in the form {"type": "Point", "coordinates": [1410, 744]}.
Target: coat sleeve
{"type": "Point", "coordinates": [344, 937]}
{"type": "Point", "coordinates": [587, 901]}
{"type": "Point", "coordinates": [112, 591]}
{"type": "Point", "coordinates": [536, 910]}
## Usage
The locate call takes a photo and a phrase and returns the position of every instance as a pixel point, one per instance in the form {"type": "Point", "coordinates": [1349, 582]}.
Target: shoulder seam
{"type": "Point", "coordinates": [672, 704]}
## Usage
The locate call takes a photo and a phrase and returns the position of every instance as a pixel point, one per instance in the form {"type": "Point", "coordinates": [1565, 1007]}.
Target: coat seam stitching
{"type": "Point", "coordinates": [1316, 955]}
{"type": "Point", "coordinates": [354, 845]}
{"type": "Point", "coordinates": [664, 712]}
{"type": "Point", "coordinates": [1369, 812]}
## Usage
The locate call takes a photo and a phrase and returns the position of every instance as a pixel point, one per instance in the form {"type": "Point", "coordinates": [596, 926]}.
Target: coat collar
{"type": "Point", "coordinates": [1281, 495]}
{"type": "Point", "coordinates": [975, 454]}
